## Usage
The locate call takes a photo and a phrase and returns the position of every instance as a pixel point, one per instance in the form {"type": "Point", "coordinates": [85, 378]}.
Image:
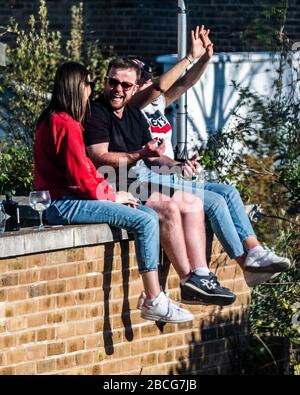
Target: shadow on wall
{"type": "Point", "coordinates": [220, 346]}
{"type": "Point", "coordinates": [107, 278]}
{"type": "Point", "coordinates": [215, 94]}
{"type": "Point", "coordinates": [223, 349]}
{"type": "Point", "coordinates": [212, 101]}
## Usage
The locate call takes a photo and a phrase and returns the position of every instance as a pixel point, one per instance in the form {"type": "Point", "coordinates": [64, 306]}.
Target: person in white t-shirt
{"type": "Point", "coordinates": [222, 203]}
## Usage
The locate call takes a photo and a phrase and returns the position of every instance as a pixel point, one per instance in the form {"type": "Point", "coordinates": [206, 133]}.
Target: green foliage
{"type": "Point", "coordinates": [74, 46]}
{"type": "Point", "coordinates": [97, 63]}
{"type": "Point", "coordinates": [290, 177]}
{"type": "Point", "coordinates": [29, 74]}
{"type": "Point", "coordinates": [266, 30]}
{"type": "Point", "coordinates": [274, 316]}
{"type": "Point", "coordinates": [16, 168]}
{"type": "Point", "coordinates": [266, 169]}
{"type": "Point", "coordinates": [261, 155]}
{"type": "Point", "coordinates": [26, 84]}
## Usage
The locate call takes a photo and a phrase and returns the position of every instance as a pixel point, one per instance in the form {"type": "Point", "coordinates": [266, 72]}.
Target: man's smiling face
{"type": "Point", "coordinates": [119, 87]}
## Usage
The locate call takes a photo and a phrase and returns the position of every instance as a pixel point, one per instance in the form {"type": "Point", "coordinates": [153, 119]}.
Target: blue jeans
{"type": "Point", "coordinates": [142, 221]}
{"type": "Point", "coordinates": [222, 204]}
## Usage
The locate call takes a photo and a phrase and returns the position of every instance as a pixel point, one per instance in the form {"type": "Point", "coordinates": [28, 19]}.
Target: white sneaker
{"type": "Point", "coordinates": [252, 279]}
{"type": "Point", "coordinates": [261, 260]}
{"type": "Point", "coordinates": [165, 310]}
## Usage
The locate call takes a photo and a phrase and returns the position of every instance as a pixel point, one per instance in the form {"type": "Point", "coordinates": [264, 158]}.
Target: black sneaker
{"type": "Point", "coordinates": [205, 290]}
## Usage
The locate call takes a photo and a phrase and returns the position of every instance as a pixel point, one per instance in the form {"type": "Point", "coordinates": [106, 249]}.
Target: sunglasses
{"type": "Point", "coordinates": [113, 82]}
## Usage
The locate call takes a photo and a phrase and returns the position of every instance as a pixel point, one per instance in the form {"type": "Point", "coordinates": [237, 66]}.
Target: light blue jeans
{"type": "Point", "coordinates": [142, 221]}
{"type": "Point", "coordinates": [222, 204]}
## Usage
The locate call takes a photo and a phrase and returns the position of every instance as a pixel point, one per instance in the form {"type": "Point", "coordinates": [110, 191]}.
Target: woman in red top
{"type": "Point", "coordinates": [81, 195]}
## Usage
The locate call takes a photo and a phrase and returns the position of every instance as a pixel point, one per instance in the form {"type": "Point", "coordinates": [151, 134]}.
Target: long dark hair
{"type": "Point", "coordinates": [67, 95]}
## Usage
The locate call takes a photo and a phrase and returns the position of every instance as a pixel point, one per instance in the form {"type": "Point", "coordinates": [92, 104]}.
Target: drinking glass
{"type": "Point", "coordinates": [40, 201]}
{"type": "Point", "coordinates": [212, 175]}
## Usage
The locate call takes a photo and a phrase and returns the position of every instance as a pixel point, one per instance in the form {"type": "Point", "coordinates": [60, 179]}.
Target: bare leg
{"type": "Point", "coordinates": [249, 243]}
{"type": "Point", "coordinates": [171, 232]}
{"type": "Point", "coordinates": [151, 284]}
{"type": "Point", "coordinates": [192, 214]}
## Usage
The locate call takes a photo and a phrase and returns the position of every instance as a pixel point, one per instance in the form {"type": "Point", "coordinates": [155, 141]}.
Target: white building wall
{"type": "Point", "coordinates": [212, 100]}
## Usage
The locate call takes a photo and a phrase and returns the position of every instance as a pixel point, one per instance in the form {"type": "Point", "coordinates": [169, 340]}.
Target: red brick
{"type": "Point", "coordinates": [45, 334]}
{"type": "Point", "coordinates": [7, 280]}
{"type": "Point", "coordinates": [46, 366]}
{"type": "Point", "coordinates": [75, 345]}
{"type": "Point", "coordinates": [7, 341]}
{"type": "Point", "coordinates": [28, 277]}
{"type": "Point", "coordinates": [36, 352]}
{"type": "Point", "coordinates": [26, 337]}
{"type": "Point", "coordinates": [66, 362]}
{"type": "Point", "coordinates": [56, 286]}
{"type": "Point", "coordinates": [48, 273]}
{"type": "Point", "coordinates": [17, 293]}
{"type": "Point", "coordinates": [56, 348]}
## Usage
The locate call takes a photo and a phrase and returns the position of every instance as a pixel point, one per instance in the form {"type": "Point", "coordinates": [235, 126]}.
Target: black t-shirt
{"type": "Point", "coordinates": [127, 134]}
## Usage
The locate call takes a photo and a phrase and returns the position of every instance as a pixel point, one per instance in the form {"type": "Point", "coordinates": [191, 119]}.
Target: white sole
{"type": "Point", "coordinates": [161, 319]}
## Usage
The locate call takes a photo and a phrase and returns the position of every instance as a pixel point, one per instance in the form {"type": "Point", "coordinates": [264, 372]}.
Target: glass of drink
{"type": "Point", "coordinates": [212, 175]}
{"type": "Point", "coordinates": [40, 201]}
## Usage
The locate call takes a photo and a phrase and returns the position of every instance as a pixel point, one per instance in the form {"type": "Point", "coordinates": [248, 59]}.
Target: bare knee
{"type": "Point", "coordinates": [188, 203]}
{"type": "Point", "coordinates": [166, 209]}
{"type": "Point", "coordinates": [171, 212]}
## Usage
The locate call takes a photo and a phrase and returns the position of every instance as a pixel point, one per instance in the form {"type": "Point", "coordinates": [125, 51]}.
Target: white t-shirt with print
{"type": "Point", "coordinates": [159, 124]}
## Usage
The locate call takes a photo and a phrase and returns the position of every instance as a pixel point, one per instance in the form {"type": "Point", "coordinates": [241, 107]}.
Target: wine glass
{"type": "Point", "coordinates": [40, 201]}
{"type": "Point", "coordinates": [212, 175]}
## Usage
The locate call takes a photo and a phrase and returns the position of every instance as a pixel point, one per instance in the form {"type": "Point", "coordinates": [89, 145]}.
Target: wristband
{"type": "Point", "coordinates": [186, 57]}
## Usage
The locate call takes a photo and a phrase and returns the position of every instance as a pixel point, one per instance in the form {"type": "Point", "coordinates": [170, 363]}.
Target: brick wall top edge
{"type": "Point", "coordinates": [27, 241]}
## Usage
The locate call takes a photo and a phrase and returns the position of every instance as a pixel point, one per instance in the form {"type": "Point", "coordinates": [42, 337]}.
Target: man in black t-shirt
{"type": "Point", "coordinates": [125, 130]}
{"type": "Point", "coordinates": [117, 135]}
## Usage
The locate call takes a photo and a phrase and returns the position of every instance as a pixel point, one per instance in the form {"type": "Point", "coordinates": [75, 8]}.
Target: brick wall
{"type": "Point", "coordinates": [73, 311]}
{"type": "Point", "coordinates": [149, 28]}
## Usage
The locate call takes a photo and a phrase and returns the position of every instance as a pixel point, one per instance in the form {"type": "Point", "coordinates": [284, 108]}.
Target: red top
{"type": "Point", "coordinates": [61, 165]}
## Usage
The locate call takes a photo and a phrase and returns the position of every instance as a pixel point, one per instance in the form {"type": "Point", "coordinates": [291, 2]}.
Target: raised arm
{"type": "Point", "coordinates": [165, 82]}
{"type": "Point", "coordinates": [193, 75]}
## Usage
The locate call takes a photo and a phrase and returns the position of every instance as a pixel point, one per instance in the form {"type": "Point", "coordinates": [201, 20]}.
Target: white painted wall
{"type": "Point", "coordinates": [212, 100]}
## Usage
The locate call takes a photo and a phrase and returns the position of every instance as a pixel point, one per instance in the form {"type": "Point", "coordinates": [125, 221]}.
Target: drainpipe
{"type": "Point", "coordinates": [181, 104]}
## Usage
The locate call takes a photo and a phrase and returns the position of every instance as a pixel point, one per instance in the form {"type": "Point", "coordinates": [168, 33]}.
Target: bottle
{"type": "Point", "coordinates": [2, 218]}
{"type": "Point", "coordinates": [12, 214]}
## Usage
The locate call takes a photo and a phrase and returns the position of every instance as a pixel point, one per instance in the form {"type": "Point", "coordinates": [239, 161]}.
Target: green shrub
{"type": "Point", "coordinates": [16, 168]}
{"type": "Point", "coordinates": [29, 74]}
{"type": "Point", "coordinates": [266, 170]}
{"type": "Point", "coordinates": [26, 84]}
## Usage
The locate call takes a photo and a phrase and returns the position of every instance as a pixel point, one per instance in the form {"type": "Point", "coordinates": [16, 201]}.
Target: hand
{"type": "Point", "coordinates": [126, 198]}
{"type": "Point", "coordinates": [153, 148]}
{"type": "Point", "coordinates": [190, 166]}
{"type": "Point", "coordinates": [194, 160]}
{"type": "Point", "coordinates": [207, 44]}
{"type": "Point", "coordinates": [200, 43]}
{"type": "Point", "coordinates": [187, 168]}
